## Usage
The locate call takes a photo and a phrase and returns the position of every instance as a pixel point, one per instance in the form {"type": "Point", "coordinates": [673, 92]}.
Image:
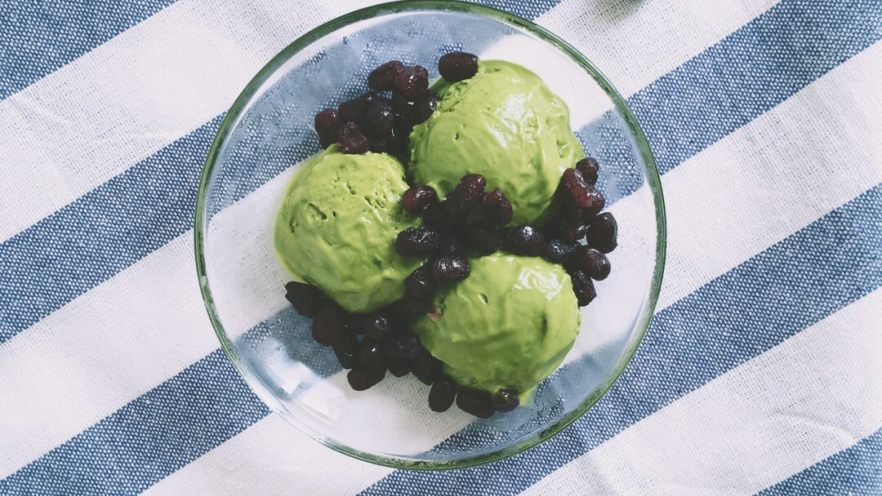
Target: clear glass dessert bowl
{"type": "Point", "coordinates": [266, 136]}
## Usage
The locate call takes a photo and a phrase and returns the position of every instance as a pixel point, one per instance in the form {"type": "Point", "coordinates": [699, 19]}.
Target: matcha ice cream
{"type": "Point", "coordinates": [505, 124]}
{"type": "Point", "coordinates": [508, 325]}
{"type": "Point", "coordinates": [337, 226]}
{"type": "Point", "coordinates": [494, 147]}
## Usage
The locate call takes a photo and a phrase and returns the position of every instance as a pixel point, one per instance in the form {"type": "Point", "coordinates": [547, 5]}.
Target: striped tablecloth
{"type": "Point", "coordinates": [761, 371]}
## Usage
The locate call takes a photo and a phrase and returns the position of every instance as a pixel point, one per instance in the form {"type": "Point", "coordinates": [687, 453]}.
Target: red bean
{"type": "Point", "coordinates": [379, 119]}
{"type": "Point", "coordinates": [457, 66]}
{"type": "Point", "coordinates": [419, 283]}
{"type": "Point", "coordinates": [307, 300]}
{"type": "Point", "coordinates": [361, 378]}
{"type": "Point", "coordinates": [475, 402]}
{"type": "Point", "coordinates": [398, 367]}
{"type": "Point", "coordinates": [402, 346]}
{"type": "Point", "coordinates": [450, 269]}
{"type": "Point", "coordinates": [576, 188]}
{"type": "Point", "coordinates": [467, 193]}
{"type": "Point", "coordinates": [426, 368]}
{"type": "Point", "coordinates": [506, 400]}
{"type": "Point", "coordinates": [442, 394]}
{"type": "Point", "coordinates": [383, 77]}
{"type": "Point", "coordinates": [482, 239]}
{"type": "Point", "coordinates": [327, 125]}
{"type": "Point", "coordinates": [589, 169]}
{"type": "Point", "coordinates": [352, 140]}
{"type": "Point", "coordinates": [378, 325]}
{"type": "Point", "coordinates": [329, 324]}
{"type": "Point", "coordinates": [353, 110]}
{"type": "Point", "coordinates": [497, 208]}
{"type": "Point", "coordinates": [369, 353]}
{"type": "Point", "coordinates": [525, 240]}
{"type": "Point", "coordinates": [345, 349]}
{"type": "Point", "coordinates": [583, 287]}
{"type": "Point", "coordinates": [419, 241]}
{"type": "Point", "coordinates": [425, 107]}
{"type": "Point", "coordinates": [571, 232]}
{"type": "Point", "coordinates": [559, 252]}
{"type": "Point", "coordinates": [418, 198]}
{"type": "Point", "coordinates": [592, 262]}
{"type": "Point", "coordinates": [603, 232]}
{"type": "Point", "coordinates": [412, 83]}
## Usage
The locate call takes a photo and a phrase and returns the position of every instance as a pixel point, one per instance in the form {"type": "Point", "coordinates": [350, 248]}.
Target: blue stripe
{"type": "Point", "coordinates": [854, 471]}
{"type": "Point", "coordinates": [754, 307]}
{"type": "Point", "coordinates": [37, 38]}
{"type": "Point", "coordinates": [829, 264]}
{"type": "Point", "coordinates": [149, 438]}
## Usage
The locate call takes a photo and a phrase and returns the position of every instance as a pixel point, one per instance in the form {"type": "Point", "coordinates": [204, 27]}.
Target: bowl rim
{"type": "Point", "coordinates": [395, 7]}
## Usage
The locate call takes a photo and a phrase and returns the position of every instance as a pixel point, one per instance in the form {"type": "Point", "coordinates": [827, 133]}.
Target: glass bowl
{"type": "Point", "coordinates": [268, 133]}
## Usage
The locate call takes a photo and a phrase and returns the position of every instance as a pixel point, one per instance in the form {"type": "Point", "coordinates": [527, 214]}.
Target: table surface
{"type": "Point", "coordinates": [760, 371]}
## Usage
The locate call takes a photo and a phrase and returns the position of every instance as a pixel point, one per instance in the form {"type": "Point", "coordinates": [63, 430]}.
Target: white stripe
{"type": "Point", "coordinates": [271, 458]}
{"type": "Point", "coordinates": [806, 399]}
{"type": "Point", "coordinates": [700, 186]}
{"type": "Point", "coordinates": [97, 116]}
{"type": "Point", "coordinates": [94, 118]}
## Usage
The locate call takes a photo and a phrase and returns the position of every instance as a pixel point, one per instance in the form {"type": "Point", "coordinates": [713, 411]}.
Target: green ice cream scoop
{"type": "Point", "coordinates": [508, 325]}
{"type": "Point", "coordinates": [505, 124]}
{"type": "Point", "coordinates": [337, 226]}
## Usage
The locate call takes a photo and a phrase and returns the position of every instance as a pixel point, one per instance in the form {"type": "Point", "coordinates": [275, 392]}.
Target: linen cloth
{"type": "Point", "coordinates": [759, 373]}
